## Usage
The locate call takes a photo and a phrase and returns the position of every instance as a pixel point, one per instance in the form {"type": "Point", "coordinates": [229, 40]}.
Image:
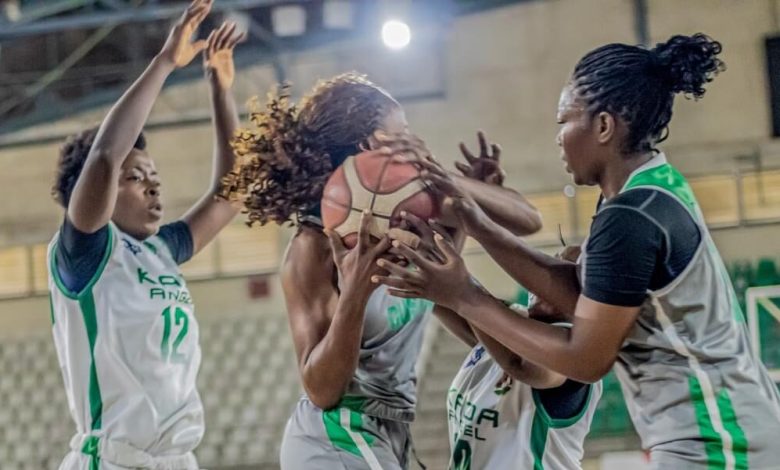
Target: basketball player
{"type": "Point", "coordinates": [356, 345]}
{"type": "Point", "coordinates": [123, 323]}
{"type": "Point", "coordinates": [655, 300]}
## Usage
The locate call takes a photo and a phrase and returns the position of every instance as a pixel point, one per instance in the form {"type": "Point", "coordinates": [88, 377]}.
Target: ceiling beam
{"type": "Point", "coordinates": [124, 15]}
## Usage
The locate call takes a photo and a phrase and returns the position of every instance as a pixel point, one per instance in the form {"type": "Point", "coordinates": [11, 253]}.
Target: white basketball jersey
{"type": "Point", "coordinates": [128, 349]}
{"type": "Point", "coordinates": [499, 423]}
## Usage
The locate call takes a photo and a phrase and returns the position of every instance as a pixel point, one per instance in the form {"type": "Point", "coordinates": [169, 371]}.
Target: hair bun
{"type": "Point", "coordinates": [687, 63]}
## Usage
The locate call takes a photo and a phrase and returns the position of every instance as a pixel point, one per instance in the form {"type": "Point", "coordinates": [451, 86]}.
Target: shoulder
{"type": "Point", "coordinates": [308, 257]}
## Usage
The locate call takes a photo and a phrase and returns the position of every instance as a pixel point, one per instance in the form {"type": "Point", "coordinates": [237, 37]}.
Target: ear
{"type": "Point", "coordinates": [605, 127]}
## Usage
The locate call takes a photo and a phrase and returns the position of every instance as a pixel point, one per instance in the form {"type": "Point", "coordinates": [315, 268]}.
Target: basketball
{"type": "Point", "coordinates": [384, 184]}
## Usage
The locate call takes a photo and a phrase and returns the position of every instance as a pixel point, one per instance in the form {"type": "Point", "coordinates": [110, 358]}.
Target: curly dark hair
{"type": "Point", "coordinates": [284, 161]}
{"type": "Point", "coordinates": [73, 154]}
{"type": "Point", "coordinates": [639, 84]}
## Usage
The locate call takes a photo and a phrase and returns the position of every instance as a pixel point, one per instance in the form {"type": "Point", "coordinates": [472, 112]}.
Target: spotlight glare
{"type": "Point", "coordinates": [396, 34]}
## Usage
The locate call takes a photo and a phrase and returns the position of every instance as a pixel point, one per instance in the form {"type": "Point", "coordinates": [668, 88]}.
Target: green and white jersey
{"type": "Point", "coordinates": [698, 396]}
{"type": "Point", "coordinates": [128, 348]}
{"type": "Point", "coordinates": [385, 382]}
{"type": "Point", "coordinates": [499, 423]}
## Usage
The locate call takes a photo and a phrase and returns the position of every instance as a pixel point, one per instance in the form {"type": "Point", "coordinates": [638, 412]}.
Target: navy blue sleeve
{"type": "Point", "coordinates": [639, 241]}
{"type": "Point", "coordinates": [79, 255]}
{"type": "Point", "coordinates": [565, 401]}
{"type": "Point", "coordinates": [178, 237]}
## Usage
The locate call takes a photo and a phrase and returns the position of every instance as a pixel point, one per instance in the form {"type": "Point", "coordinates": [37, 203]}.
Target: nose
{"type": "Point", "coordinates": [559, 138]}
{"type": "Point", "coordinates": [153, 189]}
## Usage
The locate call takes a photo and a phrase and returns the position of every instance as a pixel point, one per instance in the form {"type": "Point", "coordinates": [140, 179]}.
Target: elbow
{"type": "Point", "coordinates": [323, 400]}
{"type": "Point", "coordinates": [593, 373]}
{"type": "Point", "coordinates": [529, 224]}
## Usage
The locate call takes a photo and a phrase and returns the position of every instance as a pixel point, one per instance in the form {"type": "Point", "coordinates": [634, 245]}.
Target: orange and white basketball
{"type": "Point", "coordinates": [384, 184]}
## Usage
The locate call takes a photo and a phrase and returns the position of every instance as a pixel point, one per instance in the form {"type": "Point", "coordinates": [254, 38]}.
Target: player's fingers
{"type": "Point", "coordinates": [483, 148]}
{"type": "Point", "coordinates": [445, 247]}
{"type": "Point", "coordinates": [364, 237]}
{"type": "Point", "coordinates": [418, 224]}
{"type": "Point", "coordinates": [383, 245]}
{"type": "Point", "coordinates": [209, 50]}
{"type": "Point", "coordinates": [467, 153]}
{"type": "Point", "coordinates": [336, 243]}
{"type": "Point", "coordinates": [463, 168]}
{"type": "Point", "coordinates": [400, 272]}
{"type": "Point", "coordinates": [405, 293]}
{"type": "Point", "coordinates": [411, 255]}
{"type": "Point", "coordinates": [445, 185]}
{"type": "Point", "coordinates": [496, 151]}
{"type": "Point", "coordinates": [235, 40]}
{"type": "Point", "coordinates": [229, 29]}
{"type": "Point", "coordinates": [199, 45]}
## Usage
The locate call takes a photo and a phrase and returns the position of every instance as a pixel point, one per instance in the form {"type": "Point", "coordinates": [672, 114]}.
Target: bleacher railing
{"type": "Point", "coordinates": [727, 200]}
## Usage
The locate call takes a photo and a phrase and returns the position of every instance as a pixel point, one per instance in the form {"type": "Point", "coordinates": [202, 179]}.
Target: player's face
{"type": "Point", "coordinates": [139, 209]}
{"type": "Point", "coordinates": [577, 139]}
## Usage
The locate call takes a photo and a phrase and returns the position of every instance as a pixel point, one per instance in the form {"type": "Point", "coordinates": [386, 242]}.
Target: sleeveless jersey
{"type": "Point", "coordinates": [696, 393]}
{"type": "Point", "coordinates": [384, 384]}
{"type": "Point", "coordinates": [128, 349]}
{"type": "Point", "coordinates": [496, 422]}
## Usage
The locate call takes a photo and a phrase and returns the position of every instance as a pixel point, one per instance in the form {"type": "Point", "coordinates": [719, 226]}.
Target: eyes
{"type": "Point", "coordinates": [138, 177]}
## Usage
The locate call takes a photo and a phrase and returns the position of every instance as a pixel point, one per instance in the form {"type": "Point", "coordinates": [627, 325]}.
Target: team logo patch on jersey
{"type": "Point", "coordinates": [475, 357]}
{"type": "Point", "coordinates": [134, 249]}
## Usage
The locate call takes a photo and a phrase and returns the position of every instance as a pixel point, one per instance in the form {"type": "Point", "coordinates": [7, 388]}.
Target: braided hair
{"type": "Point", "coordinates": [284, 160]}
{"type": "Point", "coordinates": [638, 84]}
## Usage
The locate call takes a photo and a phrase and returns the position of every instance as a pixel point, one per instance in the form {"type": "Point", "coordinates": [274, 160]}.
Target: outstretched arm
{"type": "Point", "coordinates": [94, 196]}
{"type": "Point", "coordinates": [483, 180]}
{"type": "Point", "coordinates": [549, 278]}
{"type": "Point", "coordinates": [585, 353]}
{"type": "Point", "coordinates": [210, 214]}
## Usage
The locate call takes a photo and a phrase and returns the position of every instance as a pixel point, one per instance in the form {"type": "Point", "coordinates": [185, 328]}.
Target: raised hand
{"type": "Point", "coordinates": [486, 167]}
{"type": "Point", "coordinates": [179, 49]}
{"type": "Point", "coordinates": [358, 265]}
{"type": "Point", "coordinates": [456, 202]}
{"type": "Point", "coordinates": [218, 55]}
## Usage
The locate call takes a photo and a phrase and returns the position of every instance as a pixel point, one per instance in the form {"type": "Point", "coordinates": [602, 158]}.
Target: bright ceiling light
{"type": "Point", "coordinates": [396, 34]}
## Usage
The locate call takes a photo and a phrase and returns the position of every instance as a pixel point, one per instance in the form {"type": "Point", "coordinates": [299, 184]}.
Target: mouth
{"type": "Point", "coordinates": [156, 209]}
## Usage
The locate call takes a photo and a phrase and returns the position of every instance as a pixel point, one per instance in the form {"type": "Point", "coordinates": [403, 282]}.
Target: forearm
{"type": "Point", "coordinates": [226, 121]}
{"type": "Point", "coordinates": [514, 365]}
{"type": "Point", "coordinates": [504, 206]}
{"type": "Point", "coordinates": [126, 119]}
{"type": "Point", "coordinates": [456, 325]}
{"type": "Point", "coordinates": [549, 278]}
{"type": "Point", "coordinates": [542, 344]}
{"type": "Point", "coordinates": [331, 364]}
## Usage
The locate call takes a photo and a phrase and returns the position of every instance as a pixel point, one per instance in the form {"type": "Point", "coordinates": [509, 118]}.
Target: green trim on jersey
{"type": "Point", "coordinates": [91, 447]}
{"type": "Point", "coordinates": [87, 305]}
{"type": "Point", "coordinates": [51, 308]}
{"type": "Point", "coordinates": [561, 422]}
{"type": "Point", "coordinates": [713, 443]}
{"type": "Point", "coordinates": [55, 272]}
{"type": "Point", "coordinates": [151, 247]}
{"type": "Point", "coordinates": [543, 422]}
{"type": "Point", "coordinates": [339, 435]}
{"type": "Point", "coordinates": [666, 177]}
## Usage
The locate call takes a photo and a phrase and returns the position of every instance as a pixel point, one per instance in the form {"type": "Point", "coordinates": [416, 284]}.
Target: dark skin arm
{"type": "Point", "coordinates": [211, 214]}
{"type": "Point", "coordinates": [325, 323]}
{"type": "Point", "coordinates": [511, 363]}
{"type": "Point", "coordinates": [483, 180]}
{"type": "Point", "coordinates": [585, 353]}
{"type": "Point", "coordinates": [95, 193]}
{"type": "Point", "coordinates": [551, 279]}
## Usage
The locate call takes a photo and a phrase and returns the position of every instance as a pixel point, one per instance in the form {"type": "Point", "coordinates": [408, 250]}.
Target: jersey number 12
{"type": "Point", "coordinates": [180, 318]}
